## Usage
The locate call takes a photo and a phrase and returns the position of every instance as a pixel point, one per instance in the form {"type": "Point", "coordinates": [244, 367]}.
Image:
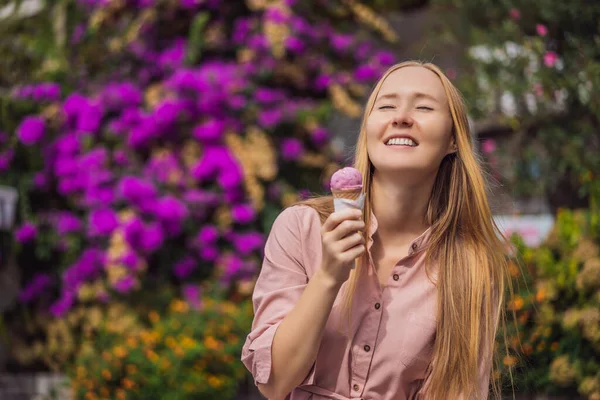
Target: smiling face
{"type": "Point", "coordinates": [409, 128]}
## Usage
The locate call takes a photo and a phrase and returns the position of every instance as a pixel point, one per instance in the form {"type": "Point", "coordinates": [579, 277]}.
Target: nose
{"type": "Point", "coordinates": [402, 120]}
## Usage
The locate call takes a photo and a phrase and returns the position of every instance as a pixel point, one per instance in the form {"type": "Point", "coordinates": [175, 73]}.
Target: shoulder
{"type": "Point", "coordinates": [300, 218]}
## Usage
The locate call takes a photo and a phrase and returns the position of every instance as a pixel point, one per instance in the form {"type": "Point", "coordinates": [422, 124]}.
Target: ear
{"type": "Point", "coordinates": [452, 147]}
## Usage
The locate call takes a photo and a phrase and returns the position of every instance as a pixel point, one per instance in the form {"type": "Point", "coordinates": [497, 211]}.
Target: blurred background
{"type": "Point", "coordinates": [146, 146]}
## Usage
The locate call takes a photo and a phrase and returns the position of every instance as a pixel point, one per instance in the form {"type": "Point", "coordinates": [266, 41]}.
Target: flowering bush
{"type": "Point", "coordinates": [532, 68]}
{"type": "Point", "coordinates": [190, 352]}
{"type": "Point", "coordinates": [556, 343]}
{"type": "Point", "coordinates": [174, 134]}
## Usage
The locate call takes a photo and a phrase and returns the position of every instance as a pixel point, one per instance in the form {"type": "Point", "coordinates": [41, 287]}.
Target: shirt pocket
{"type": "Point", "coordinates": [418, 341]}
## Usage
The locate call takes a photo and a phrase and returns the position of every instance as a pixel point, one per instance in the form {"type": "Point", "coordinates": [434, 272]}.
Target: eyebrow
{"type": "Point", "coordinates": [415, 95]}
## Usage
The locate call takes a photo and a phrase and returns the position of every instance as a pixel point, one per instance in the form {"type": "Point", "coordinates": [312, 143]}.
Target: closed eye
{"type": "Point", "coordinates": [425, 108]}
{"type": "Point", "coordinates": [386, 107]}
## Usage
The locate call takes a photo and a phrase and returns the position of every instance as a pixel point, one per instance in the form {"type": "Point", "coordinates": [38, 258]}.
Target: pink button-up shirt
{"type": "Point", "coordinates": [393, 327]}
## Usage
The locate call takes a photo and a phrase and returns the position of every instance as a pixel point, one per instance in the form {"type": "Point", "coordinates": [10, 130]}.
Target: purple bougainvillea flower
{"type": "Point", "coordinates": [60, 307]}
{"type": "Point", "coordinates": [136, 190]}
{"type": "Point", "coordinates": [270, 118]}
{"type": "Point", "coordinates": [291, 149]}
{"type": "Point", "coordinates": [184, 267]}
{"type": "Point", "coordinates": [31, 131]}
{"type": "Point", "coordinates": [319, 136]}
{"type": "Point", "coordinates": [209, 253]}
{"type": "Point", "coordinates": [125, 284]}
{"type": "Point", "coordinates": [171, 209]}
{"type": "Point", "coordinates": [246, 243]}
{"type": "Point", "coordinates": [35, 288]}
{"type": "Point", "coordinates": [131, 260]}
{"type": "Point", "coordinates": [210, 131]}
{"type": "Point", "coordinates": [26, 233]}
{"type": "Point", "coordinates": [174, 56]}
{"type": "Point", "coordinates": [208, 235]}
{"type": "Point", "coordinates": [67, 222]}
{"type": "Point", "coordinates": [89, 118]}
{"type": "Point", "coordinates": [341, 43]}
{"type": "Point", "coordinates": [322, 82]}
{"type": "Point", "coordinates": [6, 158]}
{"type": "Point", "coordinates": [294, 45]}
{"type": "Point", "coordinates": [193, 295]}
{"type": "Point", "coordinates": [152, 238]}
{"type": "Point", "coordinates": [118, 96]}
{"type": "Point", "coordinates": [366, 73]}
{"type": "Point", "coordinates": [102, 222]}
{"type": "Point", "coordinates": [243, 213]}
{"type": "Point", "coordinates": [385, 58]}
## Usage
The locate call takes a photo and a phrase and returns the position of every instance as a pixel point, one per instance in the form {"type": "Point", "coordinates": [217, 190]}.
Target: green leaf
{"type": "Point", "coordinates": [196, 39]}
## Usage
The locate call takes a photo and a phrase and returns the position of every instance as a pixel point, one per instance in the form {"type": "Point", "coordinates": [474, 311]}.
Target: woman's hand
{"type": "Point", "coordinates": [343, 242]}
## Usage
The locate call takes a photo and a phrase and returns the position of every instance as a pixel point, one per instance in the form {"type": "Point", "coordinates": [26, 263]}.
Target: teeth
{"type": "Point", "coordinates": [400, 141]}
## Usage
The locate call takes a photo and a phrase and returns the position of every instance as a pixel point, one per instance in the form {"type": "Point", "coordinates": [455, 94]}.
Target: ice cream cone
{"type": "Point", "coordinates": [349, 194]}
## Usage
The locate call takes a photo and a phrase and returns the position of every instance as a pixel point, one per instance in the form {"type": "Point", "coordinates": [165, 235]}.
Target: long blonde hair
{"type": "Point", "coordinates": [464, 243]}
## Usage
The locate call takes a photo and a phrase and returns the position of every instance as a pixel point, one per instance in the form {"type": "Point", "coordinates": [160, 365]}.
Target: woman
{"type": "Point", "coordinates": [424, 300]}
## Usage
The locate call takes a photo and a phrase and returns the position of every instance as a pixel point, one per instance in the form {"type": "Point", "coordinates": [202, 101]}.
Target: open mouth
{"type": "Point", "coordinates": [401, 142]}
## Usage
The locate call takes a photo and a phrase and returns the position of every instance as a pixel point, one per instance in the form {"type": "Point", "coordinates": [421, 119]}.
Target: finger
{"type": "Point", "coordinates": [355, 252]}
{"type": "Point", "coordinates": [351, 241]}
{"type": "Point", "coordinates": [346, 228]}
{"type": "Point", "coordinates": [338, 217]}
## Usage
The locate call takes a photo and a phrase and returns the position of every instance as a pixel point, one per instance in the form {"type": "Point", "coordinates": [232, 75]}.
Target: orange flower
{"type": "Point", "coordinates": [131, 369]}
{"type": "Point", "coordinates": [189, 387]}
{"type": "Point", "coordinates": [214, 381]}
{"type": "Point", "coordinates": [106, 374]}
{"type": "Point", "coordinates": [127, 383]}
{"type": "Point", "coordinates": [91, 396]}
{"type": "Point", "coordinates": [510, 361]}
{"type": "Point", "coordinates": [165, 364]}
{"type": "Point", "coordinates": [232, 339]}
{"type": "Point", "coordinates": [212, 344]}
{"type": "Point", "coordinates": [513, 269]}
{"type": "Point", "coordinates": [120, 351]}
{"type": "Point", "coordinates": [514, 341]}
{"type": "Point", "coordinates": [106, 356]}
{"type": "Point", "coordinates": [554, 346]}
{"type": "Point", "coordinates": [547, 331]}
{"type": "Point", "coordinates": [540, 295]}
{"type": "Point", "coordinates": [132, 342]}
{"type": "Point", "coordinates": [154, 317]}
{"type": "Point", "coordinates": [170, 342]}
{"type": "Point", "coordinates": [527, 349]}
{"type": "Point", "coordinates": [121, 394]}
{"type": "Point", "coordinates": [152, 356]}
{"type": "Point", "coordinates": [541, 346]}
{"type": "Point", "coordinates": [179, 306]}
{"type": "Point", "coordinates": [179, 351]}
{"type": "Point", "coordinates": [523, 318]}
{"type": "Point", "coordinates": [516, 303]}
{"type": "Point", "coordinates": [81, 372]}
{"type": "Point", "coordinates": [187, 342]}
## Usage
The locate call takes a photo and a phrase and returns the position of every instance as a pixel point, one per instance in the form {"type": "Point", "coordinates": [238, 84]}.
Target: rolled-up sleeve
{"type": "Point", "coordinates": [280, 284]}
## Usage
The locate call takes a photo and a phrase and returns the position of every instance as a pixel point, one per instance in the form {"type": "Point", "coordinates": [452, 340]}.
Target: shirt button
{"type": "Point", "coordinates": [367, 348]}
{"type": "Point", "coordinates": [396, 277]}
{"type": "Point", "coordinates": [377, 306]}
{"type": "Point", "coordinates": [356, 388]}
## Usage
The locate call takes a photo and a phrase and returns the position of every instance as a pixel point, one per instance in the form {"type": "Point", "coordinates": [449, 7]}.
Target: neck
{"type": "Point", "coordinates": [400, 208]}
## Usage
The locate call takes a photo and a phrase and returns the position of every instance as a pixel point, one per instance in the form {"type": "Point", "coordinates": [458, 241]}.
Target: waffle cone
{"type": "Point", "coordinates": [352, 194]}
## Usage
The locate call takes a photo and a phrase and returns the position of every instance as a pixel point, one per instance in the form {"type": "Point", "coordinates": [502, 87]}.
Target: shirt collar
{"type": "Point", "coordinates": [416, 245]}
